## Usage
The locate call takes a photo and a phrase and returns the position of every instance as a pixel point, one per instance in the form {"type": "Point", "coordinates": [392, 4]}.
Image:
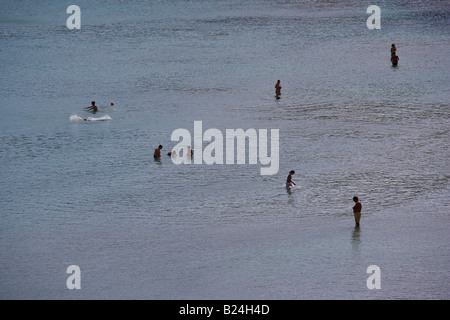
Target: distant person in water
{"type": "Point", "coordinates": [278, 89]}
{"type": "Point", "coordinates": [393, 49]}
{"type": "Point", "coordinates": [357, 210]}
{"type": "Point", "coordinates": [289, 182]}
{"type": "Point", "coordinates": [157, 153]}
{"type": "Point", "coordinates": [92, 107]}
{"type": "Point", "coordinates": [394, 59]}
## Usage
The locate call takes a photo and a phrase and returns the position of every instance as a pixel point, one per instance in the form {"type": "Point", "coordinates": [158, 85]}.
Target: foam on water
{"type": "Point", "coordinates": [74, 117]}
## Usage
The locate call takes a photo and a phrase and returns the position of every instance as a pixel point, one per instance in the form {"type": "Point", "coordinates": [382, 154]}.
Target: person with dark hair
{"type": "Point", "coordinates": [278, 89]}
{"type": "Point", "coordinates": [92, 107]}
{"type": "Point", "coordinates": [289, 182]}
{"type": "Point", "coordinates": [157, 153]}
{"type": "Point", "coordinates": [357, 210]}
{"type": "Point", "coordinates": [394, 57]}
{"type": "Point", "coordinates": [393, 49]}
{"type": "Point", "coordinates": [394, 60]}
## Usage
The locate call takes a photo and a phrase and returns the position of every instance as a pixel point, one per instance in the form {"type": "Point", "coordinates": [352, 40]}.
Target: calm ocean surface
{"type": "Point", "coordinates": [91, 194]}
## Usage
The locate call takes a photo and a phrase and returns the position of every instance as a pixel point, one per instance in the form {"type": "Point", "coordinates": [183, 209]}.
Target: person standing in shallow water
{"type": "Point", "coordinates": [394, 57]}
{"type": "Point", "coordinates": [157, 153]}
{"type": "Point", "coordinates": [289, 182]}
{"type": "Point", "coordinates": [394, 60]}
{"type": "Point", "coordinates": [278, 89]}
{"type": "Point", "coordinates": [357, 210]}
{"type": "Point", "coordinates": [393, 49]}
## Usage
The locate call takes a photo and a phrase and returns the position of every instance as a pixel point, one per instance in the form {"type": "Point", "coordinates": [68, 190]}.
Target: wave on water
{"type": "Point", "coordinates": [74, 117]}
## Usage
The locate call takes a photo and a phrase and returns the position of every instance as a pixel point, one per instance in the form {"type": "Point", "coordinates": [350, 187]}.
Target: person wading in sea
{"type": "Point", "coordinates": [157, 153]}
{"type": "Point", "coordinates": [289, 182]}
{"type": "Point", "coordinates": [357, 210]}
{"type": "Point", "coordinates": [278, 89]}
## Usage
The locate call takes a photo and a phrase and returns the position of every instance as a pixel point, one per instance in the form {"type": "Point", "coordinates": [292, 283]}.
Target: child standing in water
{"type": "Point", "coordinates": [289, 182]}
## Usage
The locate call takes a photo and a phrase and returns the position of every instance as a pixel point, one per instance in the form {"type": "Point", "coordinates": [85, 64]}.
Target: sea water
{"type": "Point", "coordinates": [91, 194]}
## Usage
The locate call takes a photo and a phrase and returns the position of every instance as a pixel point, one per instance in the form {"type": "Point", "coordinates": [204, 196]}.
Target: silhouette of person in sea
{"type": "Point", "coordinates": [92, 107]}
{"type": "Point", "coordinates": [357, 210]}
{"type": "Point", "coordinates": [393, 49]}
{"type": "Point", "coordinates": [289, 182]}
{"type": "Point", "coordinates": [394, 57]}
{"type": "Point", "coordinates": [157, 153]}
{"type": "Point", "coordinates": [278, 89]}
{"type": "Point", "coordinates": [394, 60]}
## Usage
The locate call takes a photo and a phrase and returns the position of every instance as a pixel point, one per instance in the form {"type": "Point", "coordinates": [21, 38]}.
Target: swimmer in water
{"type": "Point", "coordinates": [92, 108]}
